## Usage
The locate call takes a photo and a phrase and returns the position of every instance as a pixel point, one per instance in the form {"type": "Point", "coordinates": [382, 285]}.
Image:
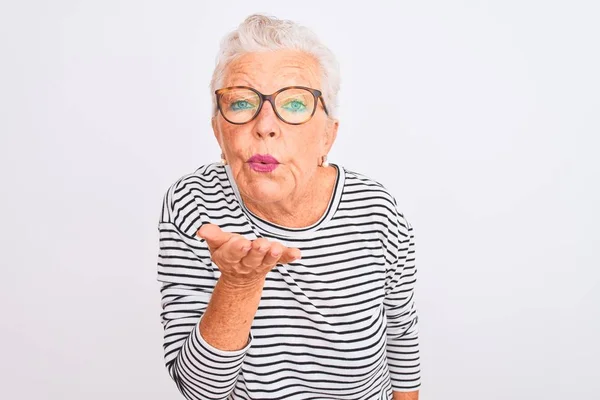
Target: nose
{"type": "Point", "coordinates": [267, 123]}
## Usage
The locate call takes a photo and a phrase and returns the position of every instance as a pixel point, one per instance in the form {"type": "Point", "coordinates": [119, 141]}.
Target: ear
{"type": "Point", "coordinates": [216, 132]}
{"type": "Point", "coordinates": [331, 134]}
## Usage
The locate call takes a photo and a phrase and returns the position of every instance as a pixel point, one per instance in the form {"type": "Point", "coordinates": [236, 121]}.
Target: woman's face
{"type": "Point", "coordinates": [297, 148]}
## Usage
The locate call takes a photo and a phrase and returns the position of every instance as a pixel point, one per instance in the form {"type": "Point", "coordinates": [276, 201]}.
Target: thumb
{"type": "Point", "coordinates": [213, 235]}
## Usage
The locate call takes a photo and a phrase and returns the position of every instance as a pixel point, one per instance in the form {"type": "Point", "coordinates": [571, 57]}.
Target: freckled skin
{"type": "Point", "coordinates": [297, 192]}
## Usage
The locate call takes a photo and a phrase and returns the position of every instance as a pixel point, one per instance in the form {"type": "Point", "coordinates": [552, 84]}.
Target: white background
{"type": "Point", "coordinates": [480, 117]}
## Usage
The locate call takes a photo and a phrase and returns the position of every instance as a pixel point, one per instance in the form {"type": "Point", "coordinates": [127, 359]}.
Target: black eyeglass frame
{"type": "Point", "coordinates": [317, 94]}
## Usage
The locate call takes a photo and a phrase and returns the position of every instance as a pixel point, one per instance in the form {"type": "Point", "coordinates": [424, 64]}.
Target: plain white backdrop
{"type": "Point", "coordinates": [481, 118]}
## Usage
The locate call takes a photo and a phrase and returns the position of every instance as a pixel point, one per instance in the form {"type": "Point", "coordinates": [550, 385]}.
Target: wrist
{"type": "Point", "coordinates": [241, 285]}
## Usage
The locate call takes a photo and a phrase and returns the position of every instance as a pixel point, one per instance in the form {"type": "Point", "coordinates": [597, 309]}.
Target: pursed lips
{"type": "Point", "coordinates": [263, 159]}
{"type": "Point", "coordinates": [263, 163]}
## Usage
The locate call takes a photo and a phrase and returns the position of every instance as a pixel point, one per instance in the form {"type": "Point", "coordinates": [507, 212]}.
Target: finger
{"type": "Point", "coordinates": [273, 255]}
{"type": "Point", "coordinates": [214, 236]}
{"type": "Point", "coordinates": [255, 257]}
{"type": "Point", "coordinates": [290, 254]}
{"type": "Point", "coordinates": [234, 249]}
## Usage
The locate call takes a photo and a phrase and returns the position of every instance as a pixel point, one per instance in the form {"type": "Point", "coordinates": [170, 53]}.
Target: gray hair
{"type": "Point", "coordinates": [263, 33]}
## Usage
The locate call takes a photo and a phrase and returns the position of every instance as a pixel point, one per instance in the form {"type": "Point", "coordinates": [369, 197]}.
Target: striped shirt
{"type": "Point", "coordinates": [340, 323]}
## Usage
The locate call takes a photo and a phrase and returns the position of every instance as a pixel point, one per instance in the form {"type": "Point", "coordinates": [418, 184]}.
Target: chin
{"type": "Point", "coordinates": [265, 191]}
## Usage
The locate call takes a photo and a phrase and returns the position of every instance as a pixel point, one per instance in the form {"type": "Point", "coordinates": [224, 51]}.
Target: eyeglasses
{"type": "Point", "coordinates": [293, 105]}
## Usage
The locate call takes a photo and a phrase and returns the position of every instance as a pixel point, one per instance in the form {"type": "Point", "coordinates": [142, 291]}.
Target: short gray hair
{"type": "Point", "coordinates": [259, 33]}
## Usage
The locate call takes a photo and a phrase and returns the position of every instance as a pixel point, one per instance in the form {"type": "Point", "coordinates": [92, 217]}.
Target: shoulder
{"type": "Point", "coordinates": [364, 187]}
{"type": "Point", "coordinates": [358, 178]}
{"type": "Point", "coordinates": [183, 198]}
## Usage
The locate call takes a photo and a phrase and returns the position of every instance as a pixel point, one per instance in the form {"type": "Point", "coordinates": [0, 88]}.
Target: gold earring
{"type": "Point", "coordinates": [223, 160]}
{"type": "Point", "coordinates": [324, 162]}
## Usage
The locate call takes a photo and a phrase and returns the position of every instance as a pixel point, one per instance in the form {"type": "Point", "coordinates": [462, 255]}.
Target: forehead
{"type": "Point", "coordinates": [270, 71]}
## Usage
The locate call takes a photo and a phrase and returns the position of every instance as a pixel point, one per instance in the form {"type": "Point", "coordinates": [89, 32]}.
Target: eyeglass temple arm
{"type": "Point", "coordinates": [324, 106]}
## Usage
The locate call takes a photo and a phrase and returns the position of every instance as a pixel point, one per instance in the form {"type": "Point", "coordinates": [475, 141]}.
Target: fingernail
{"type": "Point", "coordinates": [275, 253]}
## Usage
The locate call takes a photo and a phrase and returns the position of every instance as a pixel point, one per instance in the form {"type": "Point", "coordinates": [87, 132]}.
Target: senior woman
{"type": "Point", "coordinates": [284, 276]}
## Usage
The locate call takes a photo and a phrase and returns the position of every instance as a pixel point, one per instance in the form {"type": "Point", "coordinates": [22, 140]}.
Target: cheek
{"type": "Point", "coordinates": [235, 139]}
{"type": "Point", "coordinates": [310, 141]}
{"type": "Point", "coordinates": [299, 146]}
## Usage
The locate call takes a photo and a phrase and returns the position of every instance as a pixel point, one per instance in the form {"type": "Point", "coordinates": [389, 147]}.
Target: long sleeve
{"type": "Point", "coordinates": [188, 277]}
{"type": "Point", "coordinates": [402, 317]}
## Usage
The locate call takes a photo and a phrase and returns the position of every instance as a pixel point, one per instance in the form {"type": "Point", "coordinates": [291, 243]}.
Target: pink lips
{"type": "Point", "coordinates": [264, 163]}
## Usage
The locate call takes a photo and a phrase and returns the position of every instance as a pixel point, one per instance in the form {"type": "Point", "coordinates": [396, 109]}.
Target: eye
{"type": "Point", "coordinates": [241, 105]}
{"type": "Point", "coordinates": [294, 106]}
